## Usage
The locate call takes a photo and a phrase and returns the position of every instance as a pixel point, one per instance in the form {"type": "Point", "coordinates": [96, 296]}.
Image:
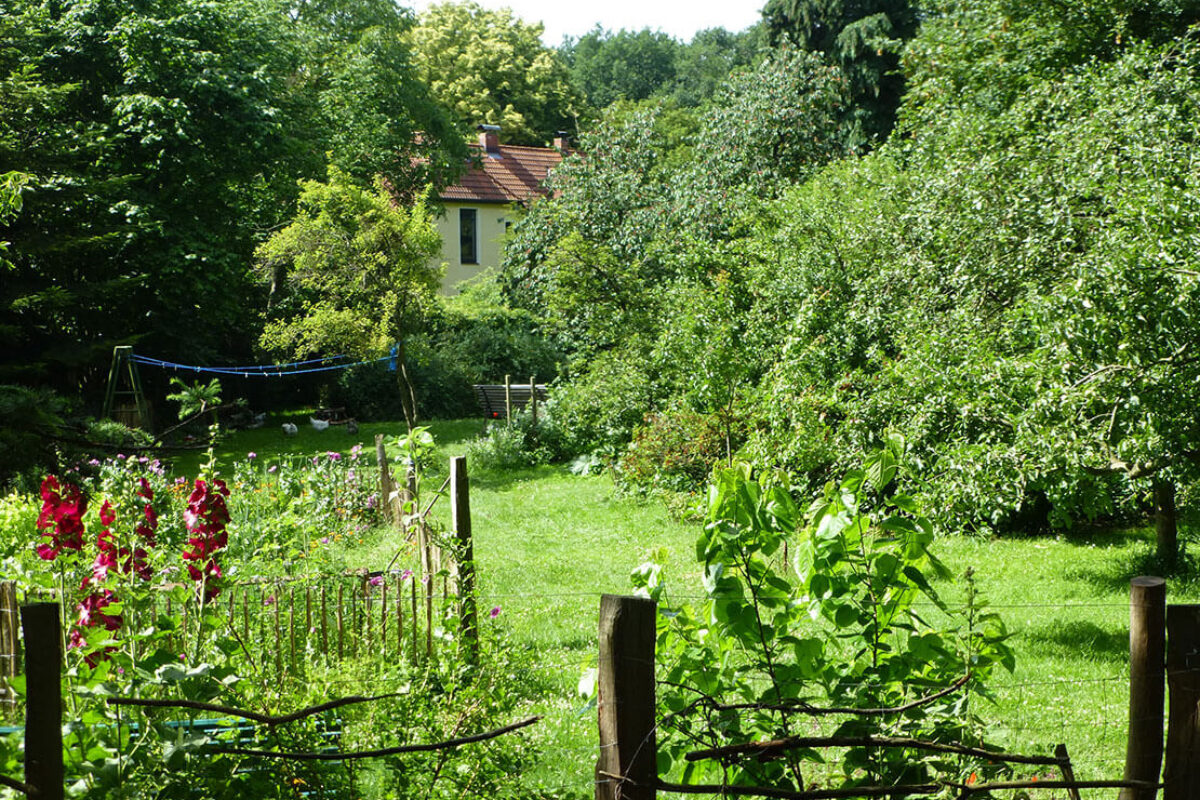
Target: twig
{"type": "Point", "coordinates": [863, 712]}
{"type": "Point", "coordinates": [791, 794]}
{"type": "Point", "coordinates": [13, 783]}
{"type": "Point", "coordinates": [253, 716]}
{"type": "Point", "coordinates": [771, 748]}
{"type": "Point", "coordinates": [1002, 785]}
{"type": "Point", "coordinates": [388, 751]}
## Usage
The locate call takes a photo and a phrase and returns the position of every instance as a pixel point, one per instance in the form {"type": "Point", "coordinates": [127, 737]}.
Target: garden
{"type": "Point", "coordinates": [269, 580]}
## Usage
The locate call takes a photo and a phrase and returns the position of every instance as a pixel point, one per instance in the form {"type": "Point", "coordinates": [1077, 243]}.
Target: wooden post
{"type": "Point", "coordinates": [386, 488]}
{"type": "Point", "coordinates": [533, 398]}
{"type": "Point", "coordinates": [324, 623]}
{"type": "Point", "coordinates": [1166, 531]}
{"type": "Point", "coordinates": [508, 399]}
{"type": "Point", "coordinates": [413, 580]}
{"type": "Point", "coordinates": [460, 522]}
{"type": "Point", "coordinates": [43, 702]}
{"type": "Point", "coordinates": [1147, 646]}
{"type": "Point", "coordinates": [10, 643]}
{"type": "Point", "coordinates": [1181, 773]}
{"type": "Point", "coordinates": [626, 700]}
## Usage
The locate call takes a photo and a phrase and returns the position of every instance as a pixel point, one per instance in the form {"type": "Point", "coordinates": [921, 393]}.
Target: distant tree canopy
{"type": "Point", "coordinates": [607, 67]}
{"type": "Point", "coordinates": [162, 140]}
{"type": "Point", "coordinates": [862, 37]}
{"type": "Point", "coordinates": [490, 67]}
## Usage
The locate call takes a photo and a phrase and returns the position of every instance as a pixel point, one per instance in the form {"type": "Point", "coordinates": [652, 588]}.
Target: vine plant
{"type": "Point", "coordinates": [804, 613]}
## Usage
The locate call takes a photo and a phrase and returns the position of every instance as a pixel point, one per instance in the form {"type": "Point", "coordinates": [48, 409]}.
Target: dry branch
{"type": "Point", "coordinates": [387, 751]}
{"type": "Point", "coordinates": [253, 716]}
{"type": "Point", "coordinates": [13, 783]}
{"type": "Point", "coordinates": [774, 747]}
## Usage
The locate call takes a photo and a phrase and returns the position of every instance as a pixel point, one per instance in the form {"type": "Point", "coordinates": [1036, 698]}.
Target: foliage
{"type": "Point", "coordinates": [351, 274]}
{"type": "Point", "coordinates": [144, 130]}
{"type": "Point", "coordinates": [837, 627]}
{"type": "Point", "coordinates": [864, 38]}
{"type": "Point", "coordinates": [674, 452]}
{"type": "Point", "coordinates": [608, 66]}
{"type": "Point", "coordinates": [489, 67]}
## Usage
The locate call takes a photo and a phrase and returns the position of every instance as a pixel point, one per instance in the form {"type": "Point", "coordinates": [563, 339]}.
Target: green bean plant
{"type": "Point", "coordinates": [835, 608]}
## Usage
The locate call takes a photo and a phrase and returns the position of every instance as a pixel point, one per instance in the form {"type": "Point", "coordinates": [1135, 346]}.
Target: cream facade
{"type": "Point", "coordinates": [473, 236]}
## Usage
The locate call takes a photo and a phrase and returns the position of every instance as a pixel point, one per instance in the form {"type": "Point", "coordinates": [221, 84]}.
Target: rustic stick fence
{"type": "Point", "coordinates": [1164, 646]}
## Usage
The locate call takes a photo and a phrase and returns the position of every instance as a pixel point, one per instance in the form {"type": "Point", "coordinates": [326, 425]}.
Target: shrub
{"type": "Point", "coordinates": [676, 451]}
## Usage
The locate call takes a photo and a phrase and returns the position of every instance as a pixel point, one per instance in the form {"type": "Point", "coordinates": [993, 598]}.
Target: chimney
{"type": "Point", "coordinates": [562, 141]}
{"type": "Point", "coordinates": [489, 139]}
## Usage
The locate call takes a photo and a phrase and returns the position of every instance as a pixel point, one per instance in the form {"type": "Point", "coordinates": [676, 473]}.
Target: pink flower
{"type": "Point", "coordinates": [495, 612]}
{"type": "Point", "coordinates": [63, 508]}
{"type": "Point", "coordinates": [376, 581]}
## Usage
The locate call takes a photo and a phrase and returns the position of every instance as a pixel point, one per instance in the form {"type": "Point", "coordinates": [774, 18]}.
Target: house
{"type": "Point", "coordinates": [480, 209]}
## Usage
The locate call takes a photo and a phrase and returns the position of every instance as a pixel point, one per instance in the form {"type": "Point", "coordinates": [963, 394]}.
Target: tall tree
{"type": "Point", "coordinates": [626, 65]}
{"type": "Point", "coordinates": [162, 139]}
{"type": "Point", "coordinates": [489, 67]}
{"type": "Point", "coordinates": [863, 37]}
{"type": "Point", "coordinates": [350, 274]}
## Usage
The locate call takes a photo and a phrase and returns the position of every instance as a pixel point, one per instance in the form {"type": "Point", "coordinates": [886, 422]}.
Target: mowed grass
{"type": "Point", "coordinates": [549, 543]}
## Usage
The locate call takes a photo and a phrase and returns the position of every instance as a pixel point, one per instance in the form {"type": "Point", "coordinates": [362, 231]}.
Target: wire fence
{"type": "Point", "coordinates": [1070, 685]}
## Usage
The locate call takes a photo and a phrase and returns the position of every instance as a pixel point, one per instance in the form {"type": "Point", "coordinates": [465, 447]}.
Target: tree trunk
{"type": "Point", "coordinates": [408, 397]}
{"type": "Point", "coordinates": [1165, 528]}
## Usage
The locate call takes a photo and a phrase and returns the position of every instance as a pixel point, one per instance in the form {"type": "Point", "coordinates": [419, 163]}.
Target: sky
{"type": "Point", "coordinates": [679, 18]}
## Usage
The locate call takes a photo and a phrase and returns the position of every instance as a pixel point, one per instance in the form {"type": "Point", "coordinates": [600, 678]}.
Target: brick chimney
{"type": "Point", "coordinates": [562, 141]}
{"type": "Point", "coordinates": [489, 139]}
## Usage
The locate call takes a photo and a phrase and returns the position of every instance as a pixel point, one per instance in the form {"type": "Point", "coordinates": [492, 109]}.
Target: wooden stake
{"type": "Point", "coordinates": [1181, 773]}
{"type": "Point", "coordinates": [341, 653]}
{"type": "Point", "coordinates": [1068, 772]}
{"type": "Point", "coordinates": [386, 487]}
{"type": "Point", "coordinates": [399, 619]}
{"type": "Point", "coordinates": [278, 634]}
{"type": "Point", "coordinates": [508, 399]}
{"type": "Point", "coordinates": [1147, 646]}
{"type": "Point", "coordinates": [413, 579]}
{"type": "Point", "coordinates": [324, 629]}
{"type": "Point", "coordinates": [10, 642]}
{"type": "Point", "coordinates": [292, 625]}
{"type": "Point", "coordinates": [533, 398]}
{"type": "Point", "coordinates": [42, 627]}
{"type": "Point", "coordinates": [383, 615]}
{"type": "Point", "coordinates": [626, 699]}
{"type": "Point", "coordinates": [460, 521]}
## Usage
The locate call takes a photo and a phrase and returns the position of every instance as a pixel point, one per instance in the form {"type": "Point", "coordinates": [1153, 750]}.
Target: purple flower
{"type": "Point", "coordinates": [372, 501]}
{"type": "Point", "coordinates": [270, 601]}
{"type": "Point", "coordinates": [376, 581]}
{"type": "Point", "coordinates": [324, 540]}
{"type": "Point", "coordinates": [406, 574]}
{"type": "Point", "coordinates": [272, 468]}
{"type": "Point", "coordinates": [354, 451]}
{"type": "Point", "coordinates": [495, 612]}
{"type": "Point", "coordinates": [94, 462]}
{"type": "Point", "coordinates": [251, 456]}
{"type": "Point", "coordinates": [334, 456]}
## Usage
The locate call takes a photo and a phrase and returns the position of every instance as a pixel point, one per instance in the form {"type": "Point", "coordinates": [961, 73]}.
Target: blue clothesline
{"type": "Point", "coordinates": [269, 370]}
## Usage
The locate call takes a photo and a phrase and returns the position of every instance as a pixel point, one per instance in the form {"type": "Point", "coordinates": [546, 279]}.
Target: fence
{"type": "Point", "coordinates": [1164, 643]}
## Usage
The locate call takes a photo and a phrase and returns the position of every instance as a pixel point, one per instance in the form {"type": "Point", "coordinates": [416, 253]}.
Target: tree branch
{"type": "Point", "coordinates": [771, 749]}
{"type": "Point", "coordinates": [388, 751]}
{"type": "Point", "coordinates": [253, 716]}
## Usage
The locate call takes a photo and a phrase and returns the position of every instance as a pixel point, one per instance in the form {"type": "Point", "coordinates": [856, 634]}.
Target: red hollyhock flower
{"type": "Point", "coordinates": [206, 518]}
{"type": "Point", "coordinates": [61, 518]}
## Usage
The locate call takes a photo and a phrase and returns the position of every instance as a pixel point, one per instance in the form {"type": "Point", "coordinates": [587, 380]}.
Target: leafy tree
{"type": "Point", "coordinates": [862, 37]}
{"type": "Point", "coordinates": [490, 67]}
{"type": "Point", "coordinates": [625, 65]}
{"type": "Point", "coordinates": [704, 64]}
{"type": "Point", "coordinates": [350, 274]}
{"type": "Point", "coordinates": [162, 139]}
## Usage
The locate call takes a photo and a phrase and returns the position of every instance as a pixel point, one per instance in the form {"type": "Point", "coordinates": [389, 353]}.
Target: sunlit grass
{"type": "Point", "coordinates": [548, 543]}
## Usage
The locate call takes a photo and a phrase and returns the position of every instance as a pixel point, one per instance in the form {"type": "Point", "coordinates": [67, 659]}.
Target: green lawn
{"type": "Point", "coordinates": [548, 543]}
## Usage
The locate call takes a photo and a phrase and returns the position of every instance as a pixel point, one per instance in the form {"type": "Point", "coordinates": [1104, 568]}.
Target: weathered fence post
{"type": "Point", "coordinates": [42, 629]}
{"type": "Point", "coordinates": [533, 398]}
{"type": "Point", "coordinates": [386, 487]}
{"type": "Point", "coordinates": [10, 643]}
{"type": "Point", "coordinates": [627, 767]}
{"type": "Point", "coordinates": [460, 522]}
{"type": "Point", "coordinates": [1147, 645]}
{"type": "Point", "coordinates": [1181, 773]}
{"type": "Point", "coordinates": [508, 399]}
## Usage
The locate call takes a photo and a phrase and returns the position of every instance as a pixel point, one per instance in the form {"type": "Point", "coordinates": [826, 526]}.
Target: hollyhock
{"type": "Point", "coordinates": [206, 518]}
{"type": "Point", "coordinates": [61, 519]}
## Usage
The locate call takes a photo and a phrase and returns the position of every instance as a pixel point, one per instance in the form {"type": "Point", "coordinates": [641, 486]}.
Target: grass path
{"type": "Point", "coordinates": [548, 543]}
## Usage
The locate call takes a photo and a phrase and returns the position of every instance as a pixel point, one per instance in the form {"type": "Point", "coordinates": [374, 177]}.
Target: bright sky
{"type": "Point", "coordinates": [679, 18]}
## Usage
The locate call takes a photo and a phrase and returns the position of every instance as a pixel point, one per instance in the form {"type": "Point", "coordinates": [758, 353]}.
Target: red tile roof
{"type": "Point", "coordinates": [508, 174]}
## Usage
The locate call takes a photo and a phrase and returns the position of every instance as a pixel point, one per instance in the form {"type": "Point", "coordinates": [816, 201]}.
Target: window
{"type": "Point", "coordinates": [468, 221]}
